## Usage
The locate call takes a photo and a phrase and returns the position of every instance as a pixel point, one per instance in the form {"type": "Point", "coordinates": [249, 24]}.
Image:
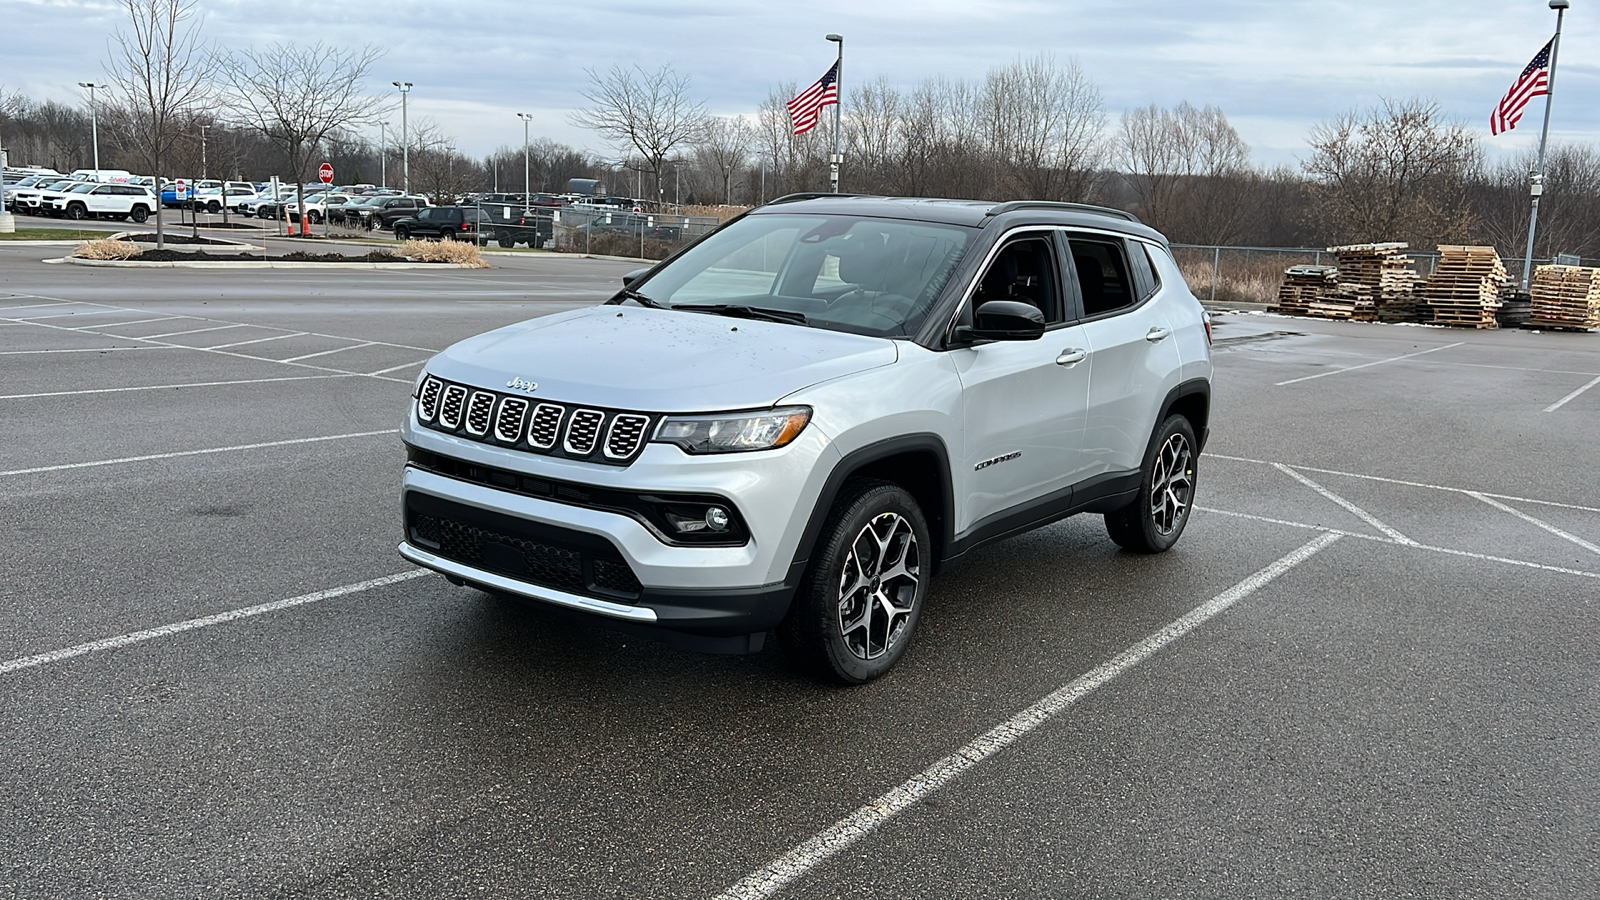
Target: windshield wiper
{"type": "Point", "coordinates": [641, 299]}
{"type": "Point", "coordinates": [747, 312]}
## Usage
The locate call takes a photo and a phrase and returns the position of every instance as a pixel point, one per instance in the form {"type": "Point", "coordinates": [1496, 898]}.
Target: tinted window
{"type": "Point", "coordinates": [1102, 275]}
{"type": "Point", "coordinates": [1024, 271]}
{"type": "Point", "coordinates": [424, 215]}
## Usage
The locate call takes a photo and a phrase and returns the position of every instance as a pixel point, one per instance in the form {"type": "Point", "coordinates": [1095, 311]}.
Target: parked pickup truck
{"type": "Point", "coordinates": [446, 223]}
{"type": "Point", "coordinates": [509, 225]}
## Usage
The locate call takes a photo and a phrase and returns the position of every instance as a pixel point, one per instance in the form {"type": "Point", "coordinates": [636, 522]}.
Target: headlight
{"type": "Point", "coordinates": [734, 432]}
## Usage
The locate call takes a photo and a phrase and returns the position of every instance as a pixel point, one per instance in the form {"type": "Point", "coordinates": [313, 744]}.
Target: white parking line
{"type": "Point", "coordinates": [84, 350]}
{"type": "Point", "coordinates": [1369, 365]}
{"type": "Point", "coordinates": [34, 305]}
{"type": "Point", "coordinates": [398, 368]}
{"type": "Point", "coordinates": [1417, 484]}
{"type": "Point", "coordinates": [123, 640]}
{"type": "Point", "coordinates": [166, 387]}
{"type": "Point", "coordinates": [276, 337]}
{"type": "Point", "coordinates": [157, 337]}
{"type": "Point", "coordinates": [327, 352]}
{"type": "Point", "coordinates": [1572, 396]}
{"type": "Point", "coordinates": [1532, 521]}
{"type": "Point", "coordinates": [1355, 510]}
{"type": "Point", "coordinates": [67, 315]}
{"type": "Point", "coordinates": [130, 459]}
{"type": "Point", "coordinates": [134, 322]}
{"type": "Point", "coordinates": [828, 843]}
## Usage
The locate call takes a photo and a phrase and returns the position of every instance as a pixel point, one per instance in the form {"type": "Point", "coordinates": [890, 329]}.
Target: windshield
{"type": "Point", "coordinates": [843, 273]}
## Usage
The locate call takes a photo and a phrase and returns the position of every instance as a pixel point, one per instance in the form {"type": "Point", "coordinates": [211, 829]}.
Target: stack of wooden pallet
{"type": "Point", "coordinates": [1565, 297]}
{"type": "Point", "coordinates": [1303, 286]}
{"type": "Point", "coordinates": [1376, 283]}
{"type": "Point", "coordinates": [1464, 289]}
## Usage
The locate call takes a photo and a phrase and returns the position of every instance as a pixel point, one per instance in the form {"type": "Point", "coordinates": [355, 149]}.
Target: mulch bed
{"type": "Point", "coordinates": [378, 256]}
{"type": "Point", "coordinates": [150, 238]}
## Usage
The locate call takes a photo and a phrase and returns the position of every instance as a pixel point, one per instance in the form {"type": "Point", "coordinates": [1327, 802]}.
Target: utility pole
{"type": "Point", "coordinates": [203, 167]}
{"type": "Point", "coordinates": [405, 139]}
{"type": "Point", "coordinates": [1536, 189]}
{"type": "Point", "coordinates": [838, 86]}
{"type": "Point", "coordinates": [94, 128]}
{"type": "Point", "coordinates": [527, 169]}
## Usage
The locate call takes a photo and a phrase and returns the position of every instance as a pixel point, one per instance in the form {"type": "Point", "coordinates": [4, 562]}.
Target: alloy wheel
{"type": "Point", "coordinates": [878, 586]}
{"type": "Point", "coordinates": [1171, 484]}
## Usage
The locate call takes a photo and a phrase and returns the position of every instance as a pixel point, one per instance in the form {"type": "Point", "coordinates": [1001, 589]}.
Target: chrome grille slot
{"type": "Point", "coordinates": [583, 432]}
{"type": "Point", "coordinates": [455, 397]}
{"type": "Point", "coordinates": [508, 425]}
{"type": "Point", "coordinates": [546, 425]}
{"type": "Point", "coordinates": [478, 411]}
{"type": "Point", "coordinates": [428, 399]}
{"type": "Point", "coordinates": [622, 439]}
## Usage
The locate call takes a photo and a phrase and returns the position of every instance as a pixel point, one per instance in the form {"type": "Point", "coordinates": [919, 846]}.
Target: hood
{"type": "Point", "coordinates": [657, 360]}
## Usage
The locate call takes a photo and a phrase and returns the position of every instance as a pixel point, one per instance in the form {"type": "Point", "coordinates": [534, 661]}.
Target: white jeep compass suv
{"type": "Point", "coordinates": [795, 422]}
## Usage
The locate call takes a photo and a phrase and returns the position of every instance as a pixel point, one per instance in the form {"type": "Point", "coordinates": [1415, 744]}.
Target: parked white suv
{"type": "Point", "coordinates": [796, 422]}
{"type": "Point", "coordinates": [115, 201]}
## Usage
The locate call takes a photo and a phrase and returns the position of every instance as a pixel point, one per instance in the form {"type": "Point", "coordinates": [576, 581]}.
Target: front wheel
{"type": "Point", "coordinates": [1153, 522]}
{"type": "Point", "coordinates": [139, 214]}
{"type": "Point", "coordinates": [213, 207]}
{"type": "Point", "coordinates": [77, 211]}
{"type": "Point", "coordinates": [864, 592]}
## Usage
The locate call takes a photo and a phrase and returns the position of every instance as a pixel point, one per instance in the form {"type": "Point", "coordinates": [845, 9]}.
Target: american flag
{"type": "Point", "coordinates": [806, 109]}
{"type": "Point", "coordinates": [1533, 82]}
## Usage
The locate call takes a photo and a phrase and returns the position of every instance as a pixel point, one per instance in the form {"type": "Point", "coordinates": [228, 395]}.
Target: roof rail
{"type": "Point", "coordinates": [808, 195]}
{"type": "Point", "coordinates": [1066, 207]}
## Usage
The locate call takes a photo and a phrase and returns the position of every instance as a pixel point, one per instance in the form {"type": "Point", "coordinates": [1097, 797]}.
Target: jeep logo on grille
{"type": "Point", "coordinates": [517, 384]}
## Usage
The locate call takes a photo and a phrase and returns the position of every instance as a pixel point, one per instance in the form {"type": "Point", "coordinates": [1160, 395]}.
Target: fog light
{"type": "Point", "coordinates": [686, 525]}
{"type": "Point", "coordinates": [717, 519]}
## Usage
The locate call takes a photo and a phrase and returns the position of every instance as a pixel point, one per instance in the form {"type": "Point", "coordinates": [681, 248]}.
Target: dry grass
{"type": "Point", "coordinates": [444, 252]}
{"type": "Point", "coordinates": [104, 249]}
{"type": "Point", "coordinates": [1242, 277]}
{"type": "Point", "coordinates": [722, 213]}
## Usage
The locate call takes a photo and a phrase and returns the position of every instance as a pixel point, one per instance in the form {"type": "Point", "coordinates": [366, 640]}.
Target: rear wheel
{"type": "Point", "coordinates": [863, 594]}
{"type": "Point", "coordinates": [1153, 522]}
{"type": "Point", "coordinates": [505, 239]}
{"type": "Point", "coordinates": [447, 235]}
{"type": "Point", "coordinates": [314, 217]}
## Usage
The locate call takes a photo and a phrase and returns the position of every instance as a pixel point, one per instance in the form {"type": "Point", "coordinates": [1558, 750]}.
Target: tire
{"type": "Point", "coordinates": [213, 207]}
{"type": "Point", "coordinates": [77, 211]}
{"type": "Point", "coordinates": [400, 234]}
{"type": "Point", "coordinates": [447, 235]}
{"type": "Point", "coordinates": [863, 594]}
{"type": "Point", "coordinates": [1154, 521]}
{"type": "Point", "coordinates": [139, 213]}
{"type": "Point", "coordinates": [314, 217]}
{"type": "Point", "coordinates": [505, 239]}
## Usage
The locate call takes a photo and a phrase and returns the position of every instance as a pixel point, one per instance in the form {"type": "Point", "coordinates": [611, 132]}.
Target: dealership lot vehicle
{"type": "Point", "coordinates": [219, 680]}
{"type": "Point", "coordinates": [777, 473]}
{"type": "Point", "coordinates": [105, 201]}
{"type": "Point", "coordinates": [445, 223]}
{"type": "Point", "coordinates": [387, 210]}
{"type": "Point", "coordinates": [36, 199]}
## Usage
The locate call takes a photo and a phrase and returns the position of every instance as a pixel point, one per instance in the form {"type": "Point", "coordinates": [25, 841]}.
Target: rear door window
{"type": "Point", "coordinates": [1104, 280]}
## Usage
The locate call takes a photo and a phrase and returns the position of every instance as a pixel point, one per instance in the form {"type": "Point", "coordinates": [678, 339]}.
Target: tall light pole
{"type": "Point", "coordinates": [203, 129]}
{"type": "Point", "coordinates": [94, 128]}
{"type": "Point", "coordinates": [838, 86]}
{"type": "Point", "coordinates": [527, 178]}
{"type": "Point", "coordinates": [1537, 187]}
{"type": "Point", "coordinates": [405, 149]}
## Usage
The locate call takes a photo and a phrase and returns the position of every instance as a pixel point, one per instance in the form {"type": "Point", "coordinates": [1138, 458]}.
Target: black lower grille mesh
{"type": "Point", "coordinates": [527, 559]}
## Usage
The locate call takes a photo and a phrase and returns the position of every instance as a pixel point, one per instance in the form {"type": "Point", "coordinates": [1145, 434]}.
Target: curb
{"type": "Point", "coordinates": [69, 243]}
{"type": "Point", "coordinates": [251, 264]}
{"type": "Point", "coordinates": [213, 241]}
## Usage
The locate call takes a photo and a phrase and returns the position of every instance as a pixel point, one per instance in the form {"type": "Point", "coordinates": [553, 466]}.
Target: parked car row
{"type": "Point", "coordinates": [67, 198]}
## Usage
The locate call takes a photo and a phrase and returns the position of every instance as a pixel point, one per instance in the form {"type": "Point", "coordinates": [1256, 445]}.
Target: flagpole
{"type": "Point", "coordinates": [1537, 188]}
{"type": "Point", "coordinates": [838, 86]}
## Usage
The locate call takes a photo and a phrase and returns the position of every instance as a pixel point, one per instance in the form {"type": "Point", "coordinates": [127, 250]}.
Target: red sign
{"type": "Point", "coordinates": [326, 173]}
{"type": "Point", "coordinates": [179, 185]}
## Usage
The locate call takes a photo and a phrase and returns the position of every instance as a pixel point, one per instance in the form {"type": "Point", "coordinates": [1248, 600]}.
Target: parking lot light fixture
{"type": "Point", "coordinates": [838, 87]}
{"type": "Point", "coordinates": [203, 167]}
{"type": "Point", "coordinates": [405, 149]}
{"type": "Point", "coordinates": [527, 178]}
{"type": "Point", "coordinates": [94, 125]}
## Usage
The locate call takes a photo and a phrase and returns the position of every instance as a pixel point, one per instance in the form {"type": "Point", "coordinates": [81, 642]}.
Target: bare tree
{"type": "Point", "coordinates": [1045, 125]}
{"type": "Point", "coordinates": [650, 113]}
{"type": "Point", "coordinates": [1569, 210]}
{"type": "Point", "coordinates": [1188, 167]}
{"type": "Point", "coordinates": [723, 150]}
{"type": "Point", "coordinates": [1396, 173]}
{"type": "Point", "coordinates": [160, 79]}
{"type": "Point", "coordinates": [297, 95]}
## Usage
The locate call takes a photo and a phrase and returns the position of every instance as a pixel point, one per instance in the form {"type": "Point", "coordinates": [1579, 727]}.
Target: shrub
{"type": "Point", "coordinates": [105, 249]}
{"type": "Point", "coordinates": [444, 252]}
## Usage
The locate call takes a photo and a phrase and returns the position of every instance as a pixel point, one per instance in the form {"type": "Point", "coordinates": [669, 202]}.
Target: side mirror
{"type": "Point", "coordinates": [635, 275]}
{"type": "Point", "coordinates": [1003, 320]}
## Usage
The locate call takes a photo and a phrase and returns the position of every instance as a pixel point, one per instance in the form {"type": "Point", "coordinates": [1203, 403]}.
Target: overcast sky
{"type": "Point", "coordinates": [1275, 68]}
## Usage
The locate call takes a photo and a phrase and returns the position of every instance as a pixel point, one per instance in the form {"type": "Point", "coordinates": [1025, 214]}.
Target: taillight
{"type": "Point", "coordinates": [1206, 316]}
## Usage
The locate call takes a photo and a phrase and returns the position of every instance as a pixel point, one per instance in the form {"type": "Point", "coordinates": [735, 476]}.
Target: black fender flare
{"type": "Point", "coordinates": [1190, 388]}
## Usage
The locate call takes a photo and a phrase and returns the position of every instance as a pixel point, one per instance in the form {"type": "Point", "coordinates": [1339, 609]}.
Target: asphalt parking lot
{"type": "Point", "coordinates": [1367, 670]}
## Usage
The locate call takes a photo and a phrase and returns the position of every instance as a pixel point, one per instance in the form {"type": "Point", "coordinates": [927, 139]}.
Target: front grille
{"type": "Point", "coordinates": [428, 399]}
{"type": "Point", "coordinates": [583, 432]}
{"type": "Point", "coordinates": [508, 426]}
{"type": "Point", "coordinates": [478, 413]}
{"type": "Point", "coordinates": [546, 426]}
{"type": "Point", "coordinates": [450, 410]}
{"type": "Point", "coordinates": [612, 437]}
{"type": "Point", "coordinates": [625, 434]}
{"type": "Point", "coordinates": [542, 555]}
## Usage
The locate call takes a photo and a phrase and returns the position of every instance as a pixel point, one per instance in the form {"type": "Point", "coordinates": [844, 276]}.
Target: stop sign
{"type": "Point", "coordinates": [326, 173]}
{"type": "Point", "coordinates": [178, 186]}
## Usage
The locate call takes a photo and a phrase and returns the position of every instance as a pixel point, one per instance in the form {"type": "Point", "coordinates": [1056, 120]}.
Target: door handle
{"type": "Point", "coordinates": [1157, 334]}
{"type": "Point", "coordinates": [1072, 357]}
